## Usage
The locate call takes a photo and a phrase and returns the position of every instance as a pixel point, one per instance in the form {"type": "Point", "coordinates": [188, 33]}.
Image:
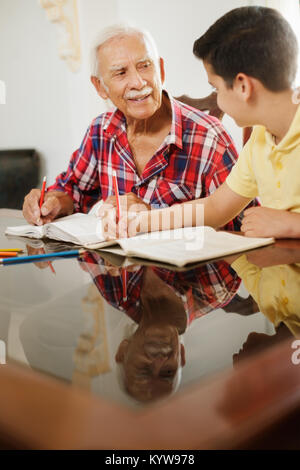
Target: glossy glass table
{"type": "Point", "coordinates": [181, 359]}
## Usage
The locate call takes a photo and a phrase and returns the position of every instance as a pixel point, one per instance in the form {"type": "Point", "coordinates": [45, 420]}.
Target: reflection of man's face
{"type": "Point", "coordinates": [131, 76]}
{"type": "Point", "coordinates": [151, 360]}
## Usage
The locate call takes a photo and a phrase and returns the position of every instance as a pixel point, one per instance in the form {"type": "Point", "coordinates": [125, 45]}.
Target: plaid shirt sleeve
{"type": "Point", "coordinates": [81, 180]}
{"type": "Point", "coordinates": [202, 289]}
{"type": "Point", "coordinates": [111, 286]}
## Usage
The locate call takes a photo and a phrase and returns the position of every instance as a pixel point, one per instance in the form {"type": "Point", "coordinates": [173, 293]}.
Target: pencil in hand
{"type": "Point", "coordinates": [43, 191]}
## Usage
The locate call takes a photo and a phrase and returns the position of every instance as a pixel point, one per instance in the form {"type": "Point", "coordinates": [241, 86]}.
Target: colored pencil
{"type": "Point", "coordinates": [42, 257]}
{"type": "Point", "coordinates": [8, 254]}
{"type": "Point", "coordinates": [43, 191]}
{"type": "Point", "coordinates": [123, 271]}
{"type": "Point", "coordinates": [7, 250]}
{"type": "Point", "coordinates": [41, 203]}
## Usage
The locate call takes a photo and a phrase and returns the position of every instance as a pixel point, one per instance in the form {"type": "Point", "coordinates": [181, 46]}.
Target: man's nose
{"type": "Point", "coordinates": [158, 361]}
{"type": "Point", "coordinates": [136, 81]}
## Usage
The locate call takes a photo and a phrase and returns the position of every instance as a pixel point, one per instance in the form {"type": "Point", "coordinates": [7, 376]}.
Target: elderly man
{"type": "Point", "coordinates": [163, 152]}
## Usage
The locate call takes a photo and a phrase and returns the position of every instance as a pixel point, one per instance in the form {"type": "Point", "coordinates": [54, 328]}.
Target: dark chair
{"type": "Point", "coordinates": [19, 173]}
{"type": "Point", "coordinates": [209, 103]}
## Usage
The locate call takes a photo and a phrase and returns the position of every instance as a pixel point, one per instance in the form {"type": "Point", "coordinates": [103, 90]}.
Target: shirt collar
{"type": "Point", "coordinates": [292, 137]}
{"type": "Point", "coordinates": [116, 123]}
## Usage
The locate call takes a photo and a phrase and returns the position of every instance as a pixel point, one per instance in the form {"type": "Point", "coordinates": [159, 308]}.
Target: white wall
{"type": "Point", "coordinates": [36, 113]}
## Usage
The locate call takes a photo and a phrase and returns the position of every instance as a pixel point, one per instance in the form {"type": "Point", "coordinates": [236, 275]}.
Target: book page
{"type": "Point", "coordinates": [195, 244]}
{"type": "Point", "coordinates": [76, 228]}
{"type": "Point", "coordinates": [31, 231]}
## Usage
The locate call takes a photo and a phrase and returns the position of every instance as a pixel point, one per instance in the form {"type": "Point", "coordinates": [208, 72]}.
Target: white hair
{"type": "Point", "coordinates": [113, 31]}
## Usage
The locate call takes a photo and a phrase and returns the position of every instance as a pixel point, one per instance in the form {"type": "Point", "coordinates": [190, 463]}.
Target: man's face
{"type": "Point", "coordinates": [151, 360]}
{"type": "Point", "coordinates": [131, 76]}
{"type": "Point", "coordinates": [228, 99]}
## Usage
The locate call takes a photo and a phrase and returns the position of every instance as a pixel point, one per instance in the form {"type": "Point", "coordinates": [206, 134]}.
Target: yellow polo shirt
{"type": "Point", "coordinates": [275, 290]}
{"type": "Point", "coordinates": [270, 171]}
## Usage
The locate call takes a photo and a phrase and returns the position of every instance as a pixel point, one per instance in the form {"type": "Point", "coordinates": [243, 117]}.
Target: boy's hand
{"type": "Point", "coordinates": [126, 202]}
{"type": "Point", "coordinates": [131, 205]}
{"type": "Point", "coordinates": [266, 222]}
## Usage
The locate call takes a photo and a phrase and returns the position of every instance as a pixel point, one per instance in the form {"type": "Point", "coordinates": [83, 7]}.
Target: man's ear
{"type": "Point", "coordinates": [162, 69]}
{"type": "Point", "coordinates": [182, 352]}
{"type": "Point", "coordinates": [122, 349]}
{"type": "Point", "coordinates": [243, 85]}
{"type": "Point", "coordinates": [99, 87]}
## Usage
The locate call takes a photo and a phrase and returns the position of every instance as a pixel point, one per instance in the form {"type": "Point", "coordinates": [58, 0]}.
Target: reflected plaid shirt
{"type": "Point", "coordinates": [202, 289]}
{"type": "Point", "coordinates": [194, 159]}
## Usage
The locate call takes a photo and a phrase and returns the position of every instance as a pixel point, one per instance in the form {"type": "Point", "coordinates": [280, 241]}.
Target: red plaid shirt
{"type": "Point", "coordinates": [202, 289]}
{"type": "Point", "coordinates": [194, 159]}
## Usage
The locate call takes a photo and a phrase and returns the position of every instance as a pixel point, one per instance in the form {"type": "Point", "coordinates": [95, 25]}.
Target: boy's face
{"type": "Point", "coordinates": [230, 100]}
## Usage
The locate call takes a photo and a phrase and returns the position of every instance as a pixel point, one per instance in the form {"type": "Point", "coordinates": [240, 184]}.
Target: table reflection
{"type": "Point", "coordinates": [175, 328]}
{"type": "Point", "coordinates": [163, 304]}
{"type": "Point", "coordinates": [275, 286]}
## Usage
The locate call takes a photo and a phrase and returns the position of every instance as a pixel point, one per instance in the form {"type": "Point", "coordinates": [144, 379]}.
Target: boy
{"type": "Point", "coordinates": [250, 56]}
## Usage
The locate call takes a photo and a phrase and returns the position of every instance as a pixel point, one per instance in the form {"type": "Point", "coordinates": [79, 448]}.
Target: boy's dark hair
{"type": "Point", "coordinates": [254, 40]}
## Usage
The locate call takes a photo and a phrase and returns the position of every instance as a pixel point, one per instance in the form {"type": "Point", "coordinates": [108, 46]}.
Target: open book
{"type": "Point", "coordinates": [80, 229]}
{"type": "Point", "coordinates": [176, 247]}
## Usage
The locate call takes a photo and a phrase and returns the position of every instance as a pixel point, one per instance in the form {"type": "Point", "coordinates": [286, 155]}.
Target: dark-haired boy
{"type": "Point", "coordinates": [250, 56]}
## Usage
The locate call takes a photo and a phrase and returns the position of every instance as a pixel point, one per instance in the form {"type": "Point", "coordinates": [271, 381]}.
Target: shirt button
{"type": "Point", "coordinates": [278, 184]}
{"type": "Point", "coordinates": [285, 300]}
{"type": "Point", "coordinates": [279, 165]}
{"type": "Point", "coordinates": [283, 282]}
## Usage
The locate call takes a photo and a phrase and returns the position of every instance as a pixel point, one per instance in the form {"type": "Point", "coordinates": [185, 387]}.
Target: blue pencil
{"type": "Point", "coordinates": [41, 257]}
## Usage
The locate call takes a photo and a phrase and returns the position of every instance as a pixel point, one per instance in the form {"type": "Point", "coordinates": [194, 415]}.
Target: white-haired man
{"type": "Point", "coordinates": [163, 152]}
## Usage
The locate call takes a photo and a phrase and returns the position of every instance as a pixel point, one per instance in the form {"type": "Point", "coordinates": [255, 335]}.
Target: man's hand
{"type": "Point", "coordinates": [131, 206]}
{"type": "Point", "coordinates": [266, 222]}
{"type": "Point", "coordinates": [56, 204]}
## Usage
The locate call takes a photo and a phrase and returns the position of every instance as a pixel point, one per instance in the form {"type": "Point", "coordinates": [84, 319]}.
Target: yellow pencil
{"type": "Point", "coordinates": [15, 250]}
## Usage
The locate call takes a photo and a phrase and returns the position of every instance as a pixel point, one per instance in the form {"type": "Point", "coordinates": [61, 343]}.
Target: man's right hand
{"type": "Point", "coordinates": [56, 204]}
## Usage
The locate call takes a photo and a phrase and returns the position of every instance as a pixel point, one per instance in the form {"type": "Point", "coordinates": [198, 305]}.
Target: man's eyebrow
{"type": "Point", "coordinates": [145, 59]}
{"type": "Point", "coordinates": [113, 68]}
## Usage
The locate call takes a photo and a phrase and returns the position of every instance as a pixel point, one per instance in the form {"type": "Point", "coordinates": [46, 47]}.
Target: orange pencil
{"type": "Point", "coordinates": [51, 267]}
{"type": "Point", "coordinates": [7, 254]}
{"type": "Point", "coordinates": [124, 273]}
{"type": "Point", "coordinates": [43, 191]}
{"type": "Point", "coordinates": [41, 203]}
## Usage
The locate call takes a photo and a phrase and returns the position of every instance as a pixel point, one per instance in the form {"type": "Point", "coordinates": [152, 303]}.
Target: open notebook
{"type": "Point", "coordinates": [178, 247]}
{"type": "Point", "coordinates": [80, 229]}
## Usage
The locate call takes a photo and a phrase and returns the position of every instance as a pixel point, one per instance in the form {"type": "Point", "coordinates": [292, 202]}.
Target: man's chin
{"type": "Point", "coordinates": [144, 109]}
{"type": "Point", "coordinates": [141, 114]}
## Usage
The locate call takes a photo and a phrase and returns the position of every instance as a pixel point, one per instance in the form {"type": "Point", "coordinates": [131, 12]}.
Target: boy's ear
{"type": "Point", "coordinates": [243, 85]}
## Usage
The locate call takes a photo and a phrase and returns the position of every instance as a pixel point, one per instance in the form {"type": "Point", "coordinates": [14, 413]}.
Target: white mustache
{"type": "Point", "coordinates": [137, 95]}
